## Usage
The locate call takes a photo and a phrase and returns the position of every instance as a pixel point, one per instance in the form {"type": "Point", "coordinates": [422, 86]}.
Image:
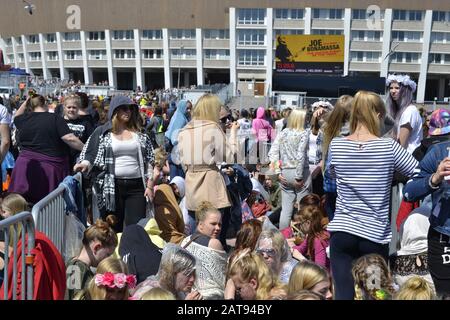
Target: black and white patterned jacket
{"type": "Point", "coordinates": [98, 154]}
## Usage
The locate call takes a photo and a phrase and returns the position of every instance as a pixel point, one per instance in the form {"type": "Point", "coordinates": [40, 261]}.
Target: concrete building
{"type": "Point", "coordinates": [172, 43]}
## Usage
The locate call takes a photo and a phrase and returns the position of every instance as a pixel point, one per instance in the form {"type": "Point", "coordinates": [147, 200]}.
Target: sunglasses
{"type": "Point", "coordinates": [270, 252]}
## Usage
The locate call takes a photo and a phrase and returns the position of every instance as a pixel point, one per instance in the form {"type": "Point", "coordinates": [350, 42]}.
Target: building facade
{"type": "Point", "coordinates": [163, 44]}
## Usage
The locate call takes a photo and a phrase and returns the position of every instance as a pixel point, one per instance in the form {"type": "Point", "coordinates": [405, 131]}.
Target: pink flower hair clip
{"type": "Point", "coordinates": [115, 280]}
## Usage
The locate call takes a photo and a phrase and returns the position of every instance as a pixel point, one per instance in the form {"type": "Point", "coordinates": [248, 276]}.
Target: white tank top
{"type": "Point", "coordinates": [126, 158]}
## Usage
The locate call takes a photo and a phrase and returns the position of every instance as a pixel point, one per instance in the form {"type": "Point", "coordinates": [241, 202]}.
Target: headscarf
{"type": "Point", "coordinates": [178, 121]}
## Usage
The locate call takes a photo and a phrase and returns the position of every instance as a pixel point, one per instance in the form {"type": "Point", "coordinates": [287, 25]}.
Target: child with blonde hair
{"type": "Point", "coordinates": [373, 280]}
{"type": "Point", "coordinates": [312, 277]}
{"type": "Point", "coordinates": [416, 288]}
{"type": "Point", "coordinates": [250, 278]}
{"type": "Point", "coordinates": [158, 294]}
{"type": "Point", "coordinates": [111, 282]}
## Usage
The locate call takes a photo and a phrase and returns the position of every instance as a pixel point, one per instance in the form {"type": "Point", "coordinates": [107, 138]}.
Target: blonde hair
{"type": "Point", "coordinates": [278, 243]}
{"type": "Point", "coordinates": [296, 120]}
{"type": "Point", "coordinates": [94, 292]}
{"type": "Point", "coordinates": [336, 119]}
{"type": "Point", "coordinates": [366, 108]}
{"type": "Point", "coordinates": [74, 98]}
{"type": "Point", "coordinates": [202, 211]}
{"type": "Point", "coordinates": [363, 269]}
{"type": "Point", "coordinates": [305, 276]}
{"type": "Point", "coordinates": [14, 203]}
{"type": "Point", "coordinates": [416, 288]}
{"type": "Point", "coordinates": [158, 294]}
{"type": "Point", "coordinates": [249, 266]}
{"type": "Point", "coordinates": [305, 295]}
{"type": "Point", "coordinates": [207, 108]}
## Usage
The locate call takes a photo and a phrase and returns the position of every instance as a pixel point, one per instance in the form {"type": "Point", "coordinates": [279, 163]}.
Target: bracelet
{"type": "Point", "coordinates": [430, 183]}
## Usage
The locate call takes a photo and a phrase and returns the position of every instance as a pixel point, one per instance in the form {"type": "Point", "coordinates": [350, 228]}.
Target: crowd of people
{"type": "Point", "coordinates": [200, 202]}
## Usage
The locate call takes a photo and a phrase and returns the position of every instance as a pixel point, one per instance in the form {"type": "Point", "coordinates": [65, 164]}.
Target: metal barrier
{"type": "Point", "coordinates": [10, 228]}
{"type": "Point", "coordinates": [50, 217]}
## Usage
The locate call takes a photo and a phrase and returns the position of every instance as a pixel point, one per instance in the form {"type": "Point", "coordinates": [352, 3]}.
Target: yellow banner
{"type": "Point", "coordinates": [309, 48]}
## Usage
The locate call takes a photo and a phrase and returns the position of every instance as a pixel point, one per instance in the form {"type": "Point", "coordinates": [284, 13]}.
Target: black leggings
{"type": "Point", "coordinates": [130, 202]}
{"type": "Point", "coordinates": [345, 248]}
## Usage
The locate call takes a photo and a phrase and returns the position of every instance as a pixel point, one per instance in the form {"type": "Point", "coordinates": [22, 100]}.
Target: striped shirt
{"type": "Point", "coordinates": [364, 172]}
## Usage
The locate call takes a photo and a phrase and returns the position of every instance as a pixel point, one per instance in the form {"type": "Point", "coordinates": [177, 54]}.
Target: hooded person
{"type": "Point", "coordinates": [121, 167]}
{"type": "Point", "coordinates": [179, 189]}
{"type": "Point", "coordinates": [140, 254]}
{"type": "Point", "coordinates": [168, 214]}
{"type": "Point", "coordinates": [180, 118]}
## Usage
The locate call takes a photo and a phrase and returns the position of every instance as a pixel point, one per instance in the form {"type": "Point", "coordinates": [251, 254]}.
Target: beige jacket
{"type": "Point", "coordinates": [202, 145]}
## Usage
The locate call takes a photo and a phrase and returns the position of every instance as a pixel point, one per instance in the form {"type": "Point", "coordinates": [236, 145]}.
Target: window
{"type": "Point", "coordinates": [408, 36]}
{"type": "Point", "coordinates": [151, 34]}
{"type": "Point", "coordinates": [182, 54]}
{"type": "Point", "coordinates": [373, 56]}
{"type": "Point", "coordinates": [251, 16]}
{"type": "Point", "coordinates": [52, 55]}
{"type": "Point", "coordinates": [357, 56]}
{"type": "Point", "coordinates": [435, 58]}
{"type": "Point", "coordinates": [123, 35]}
{"type": "Point", "coordinates": [411, 57]}
{"type": "Point", "coordinates": [11, 58]}
{"type": "Point", "coordinates": [251, 37]}
{"type": "Point", "coordinates": [438, 37]}
{"type": "Point", "coordinates": [292, 14]}
{"type": "Point", "coordinates": [398, 35]}
{"type": "Point", "coordinates": [33, 39]}
{"type": "Point", "coordinates": [216, 34]}
{"type": "Point", "coordinates": [408, 15]}
{"type": "Point", "coordinates": [327, 32]}
{"type": "Point", "coordinates": [358, 35]}
{"type": "Point", "coordinates": [182, 34]}
{"type": "Point", "coordinates": [35, 56]}
{"type": "Point", "coordinates": [220, 54]}
{"type": "Point", "coordinates": [397, 57]}
{"type": "Point", "coordinates": [124, 54]}
{"type": "Point", "coordinates": [251, 57]}
{"type": "Point", "coordinates": [72, 36]}
{"type": "Point", "coordinates": [19, 40]}
{"type": "Point", "coordinates": [97, 54]}
{"type": "Point", "coordinates": [8, 41]}
{"type": "Point", "coordinates": [447, 58]}
{"type": "Point", "coordinates": [288, 31]}
{"type": "Point", "coordinates": [96, 35]}
{"type": "Point", "coordinates": [373, 35]}
{"type": "Point", "coordinates": [328, 13]}
{"type": "Point", "coordinates": [51, 37]}
{"type": "Point", "coordinates": [21, 57]}
{"type": "Point", "coordinates": [73, 55]}
{"type": "Point", "coordinates": [152, 54]}
{"type": "Point", "coordinates": [359, 14]}
{"type": "Point", "coordinates": [439, 15]}
{"type": "Point", "coordinates": [399, 14]}
{"type": "Point", "coordinates": [412, 36]}
{"type": "Point", "coordinates": [415, 15]}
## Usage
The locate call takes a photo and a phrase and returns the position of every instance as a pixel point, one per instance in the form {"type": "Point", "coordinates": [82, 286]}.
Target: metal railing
{"type": "Point", "coordinates": [20, 224]}
{"type": "Point", "coordinates": [50, 216]}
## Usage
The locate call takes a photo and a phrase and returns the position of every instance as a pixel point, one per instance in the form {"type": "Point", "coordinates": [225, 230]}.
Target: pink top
{"type": "Point", "coordinates": [287, 232]}
{"type": "Point", "coordinates": [320, 250]}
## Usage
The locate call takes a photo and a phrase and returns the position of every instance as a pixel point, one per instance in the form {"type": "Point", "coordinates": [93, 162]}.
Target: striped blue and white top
{"type": "Point", "coordinates": [364, 172]}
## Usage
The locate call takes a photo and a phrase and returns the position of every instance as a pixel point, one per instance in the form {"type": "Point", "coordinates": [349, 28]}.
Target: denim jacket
{"type": "Point", "coordinates": [419, 187]}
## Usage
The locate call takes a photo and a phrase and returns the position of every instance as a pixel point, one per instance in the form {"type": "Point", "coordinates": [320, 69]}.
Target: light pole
{"type": "Point", "coordinates": [179, 67]}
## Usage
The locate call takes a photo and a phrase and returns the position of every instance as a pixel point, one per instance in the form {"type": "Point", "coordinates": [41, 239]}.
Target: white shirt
{"type": "Point", "coordinates": [412, 116]}
{"type": "Point", "coordinates": [312, 152]}
{"type": "Point", "coordinates": [126, 164]}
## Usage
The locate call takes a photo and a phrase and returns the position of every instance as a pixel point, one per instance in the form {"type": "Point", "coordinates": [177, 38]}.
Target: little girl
{"type": "Point", "coordinates": [373, 280]}
{"type": "Point", "coordinates": [317, 238]}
